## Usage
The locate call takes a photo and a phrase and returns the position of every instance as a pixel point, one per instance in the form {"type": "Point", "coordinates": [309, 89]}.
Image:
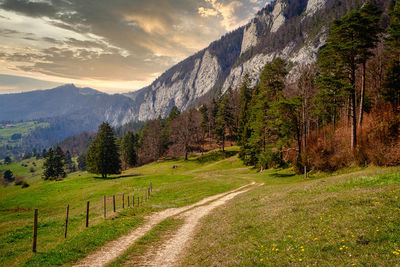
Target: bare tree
{"type": "Point", "coordinates": [186, 134]}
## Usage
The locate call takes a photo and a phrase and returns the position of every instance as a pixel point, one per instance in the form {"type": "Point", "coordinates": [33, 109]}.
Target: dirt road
{"type": "Point", "coordinates": [168, 254]}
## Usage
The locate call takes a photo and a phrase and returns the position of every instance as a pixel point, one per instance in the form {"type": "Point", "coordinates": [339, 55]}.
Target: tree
{"type": "Point", "coordinates": [69, 164]}
{"type": "Point", "coordinates": [129, 149]}
{"type": "Point", "coordinates": [59, 162]}
{"type": "Point", "coordinates": [8, 176]}
{"type": "Point", "coordinates": [392, 82]}
{"type": "Point", "coordinates": [244, 110]}
{"type": "Point", "coordinates": [7, 160]}
{"type": "Point", "coordinates": [306, 92]}
{"type": "Point", "coordinates": [53, 166]}
{"type": "Point", "coordinates": [186, 132]}
{"type": "Point", "coordinates": [44, 153]}
{"type": "Point", "coordinates": [332, 87]}
{"type": "Point", "coordinates": [165, 142]}
{"type": "Point", "coordinates": [150, 142]}
{"type": "Point", "coordinates": [223, 120]}
{"type": "Point", "coordinates": [371, 15]}
{"type": "Point", "coordinates": [103, 156]}
{"type": "Point", "coordinates": [49, 172]}
{"type": "Point", "coordinates": [348, 41]}
{"type": "Point", "coordinates": [261, 133]}
{"type": "Point", "coordinates": [81, 162]}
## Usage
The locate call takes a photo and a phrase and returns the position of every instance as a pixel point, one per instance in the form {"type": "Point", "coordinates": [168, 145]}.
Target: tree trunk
{"type": "Point", "coordinates": [223, 143]}
{"type": "Point", "coordinates": [353, 113]}
{"type": "Point", "coordinates": [304, 137]}
{"type": "Point", "coordinates": [360, 119]}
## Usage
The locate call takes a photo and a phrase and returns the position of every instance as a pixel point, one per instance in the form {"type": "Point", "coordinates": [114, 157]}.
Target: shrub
{"type": "Point", "coordinates": [270, 159]}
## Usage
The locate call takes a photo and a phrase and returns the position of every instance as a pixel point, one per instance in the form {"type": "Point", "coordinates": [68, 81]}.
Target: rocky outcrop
{"type": "Point", "coordinates": [180, 90]}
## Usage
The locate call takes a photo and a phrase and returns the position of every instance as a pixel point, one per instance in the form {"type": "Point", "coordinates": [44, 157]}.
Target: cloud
{"type": "Point", "coordinates": [111, 41]}
{"type": "Point", "coordinates": [30, 8]}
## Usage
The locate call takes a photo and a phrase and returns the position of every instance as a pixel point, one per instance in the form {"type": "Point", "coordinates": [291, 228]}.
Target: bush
{"type": "Point", "coordinates": [378, 143]}
{"type": "Point", "coordinates": [269, 159]}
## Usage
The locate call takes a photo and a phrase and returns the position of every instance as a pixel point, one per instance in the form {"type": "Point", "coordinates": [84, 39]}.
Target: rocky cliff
{"type": "Point", "coordinates": [292, 29]}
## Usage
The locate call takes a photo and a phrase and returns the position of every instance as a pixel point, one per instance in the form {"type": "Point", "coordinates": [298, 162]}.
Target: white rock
{"type": "Point", "coordinates": [278, 17]}
{"type": "Point", "coordinates": [249, 37]}
{"type": "Point", "coordinates": [314, 5]}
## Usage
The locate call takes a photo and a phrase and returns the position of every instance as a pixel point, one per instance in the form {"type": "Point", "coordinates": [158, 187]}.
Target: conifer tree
{"type": "Point", "coordinates": [81, 162]}
{"type": "Point", "coordinates": [371, 15]}
{"type": "Point", "coordinates": [392, 83]}
{"type": "Point", "coordinates": [223, 120]}
{"type": "Point", "coordinates": [103, 156]}
{"type": "Point", "coordinates": [53, 166]}
{"type": "Point", "coordinates": [244, 113]}
{"type": "Point", "coordinates": [129, 147]}
{"type": "Point", "coordinates": [59, 161]}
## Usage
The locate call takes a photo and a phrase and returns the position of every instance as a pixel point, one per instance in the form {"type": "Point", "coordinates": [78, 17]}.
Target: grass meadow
{"type": "Point", "coordinates": [345, 218]}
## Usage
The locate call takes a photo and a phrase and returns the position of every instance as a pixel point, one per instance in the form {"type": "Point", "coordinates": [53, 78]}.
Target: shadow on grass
{"type": "Point", "coordinates": [282, 175]}
{"type": "Point", "coordinates": [116, 177]}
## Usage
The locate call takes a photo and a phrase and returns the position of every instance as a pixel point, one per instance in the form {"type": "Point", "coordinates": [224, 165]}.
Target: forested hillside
{"type": "Point", "coordinates": [341, 111]}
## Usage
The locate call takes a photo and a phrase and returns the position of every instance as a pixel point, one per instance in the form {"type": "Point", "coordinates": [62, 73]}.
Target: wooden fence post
{"type": "Point", "coordinates": [123, 201]}
{"type": "Point", "coordinates": [66, 222]}
{"type": "Point", "coordinates": [114, 202]}
{"type": "Point", "coordinates": [105, 208]}
{"type": "Point", "coordinates": [35, 225]}
{"type": "Point", "coordinates": [128, 201]}
{"type": "Point", "coordinates": [87, 214]}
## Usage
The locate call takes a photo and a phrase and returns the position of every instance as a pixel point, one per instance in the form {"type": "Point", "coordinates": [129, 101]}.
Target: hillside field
{"type": "Point", "coordinates": [345, 218]}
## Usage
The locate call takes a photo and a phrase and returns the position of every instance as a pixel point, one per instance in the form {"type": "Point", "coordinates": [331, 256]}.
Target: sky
{"type": "Point", "coordinates": [110, 45]}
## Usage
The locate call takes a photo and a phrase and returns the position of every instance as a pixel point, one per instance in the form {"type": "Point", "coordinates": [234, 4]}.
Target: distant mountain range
{"type": "Point", "coordinates": [67, 101]}
{"type": "Point", "coordinates": [292, 29]}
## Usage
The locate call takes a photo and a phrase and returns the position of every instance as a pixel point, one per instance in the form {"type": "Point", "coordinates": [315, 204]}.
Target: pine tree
{"type": "Point", "coordinates": [223, 120]}
{"type": "Point", "coordinates": [59, 161]}
{"type": "Point", "coordinates": [49, 172]}
{"type": "Point", "coordinates": [392, 82]}
{"type": "Point", "coordinates": [332, 87]}
{"type": "Point", "coordinates": [69, 164]}
{"type": "Point", "coordinates": [371, 15]}
{"type": "Point", "coordinates": [174, 113]}
{"type": "Point", "coordinates": [129, 147]}
{"type": "Point", "coordinates": [103, 156]}
{"type": "Point", "coordinates": [244, 113]}
{"type": "Point", "coordinates": [81, 162]}
{"type": "Point", "coordinates": [259, 130]}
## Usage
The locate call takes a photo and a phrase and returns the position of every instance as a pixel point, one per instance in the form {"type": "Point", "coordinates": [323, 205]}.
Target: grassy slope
{"type": "Point", "coordinates": [23, 128]}
{"type": "Point", "coordinates": [173, 187]}
{"type": "Point", "coordinates": [349, 219]}
{"type": "Point", "coordinates": [269, 225]}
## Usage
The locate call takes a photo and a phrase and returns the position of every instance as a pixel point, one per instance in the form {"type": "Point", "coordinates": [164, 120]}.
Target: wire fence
{"type": "Point", "coordinates": [95, 211]}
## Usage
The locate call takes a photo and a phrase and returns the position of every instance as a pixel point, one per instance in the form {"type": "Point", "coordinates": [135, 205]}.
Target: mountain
{"type": "Point", "coordinates": [67, 101]}
{"type": "Point", "coordinates": [291, 29]}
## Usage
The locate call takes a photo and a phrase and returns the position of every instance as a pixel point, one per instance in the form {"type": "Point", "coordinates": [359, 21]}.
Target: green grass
{"type": "Point", "coordinates": [23, 128]}
{"type": "Point", "coordinates": [349, 219]}
{"type": "Point", "coordinates": [271, 224]}
{"type": "Point", "coordinates": [23, 168]}
{"type": "Point", "coordinates": [173, 187]}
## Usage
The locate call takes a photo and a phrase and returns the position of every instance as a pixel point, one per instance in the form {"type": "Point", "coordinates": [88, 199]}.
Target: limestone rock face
{"type": "Point", "coordinates": [245, 51]}
{"type": "Point", "coordinates": [314, 5]}
{"type": "Point", "coordinates": [249, 37]}
{"type": "Point", "coordinates": [180, 90]}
